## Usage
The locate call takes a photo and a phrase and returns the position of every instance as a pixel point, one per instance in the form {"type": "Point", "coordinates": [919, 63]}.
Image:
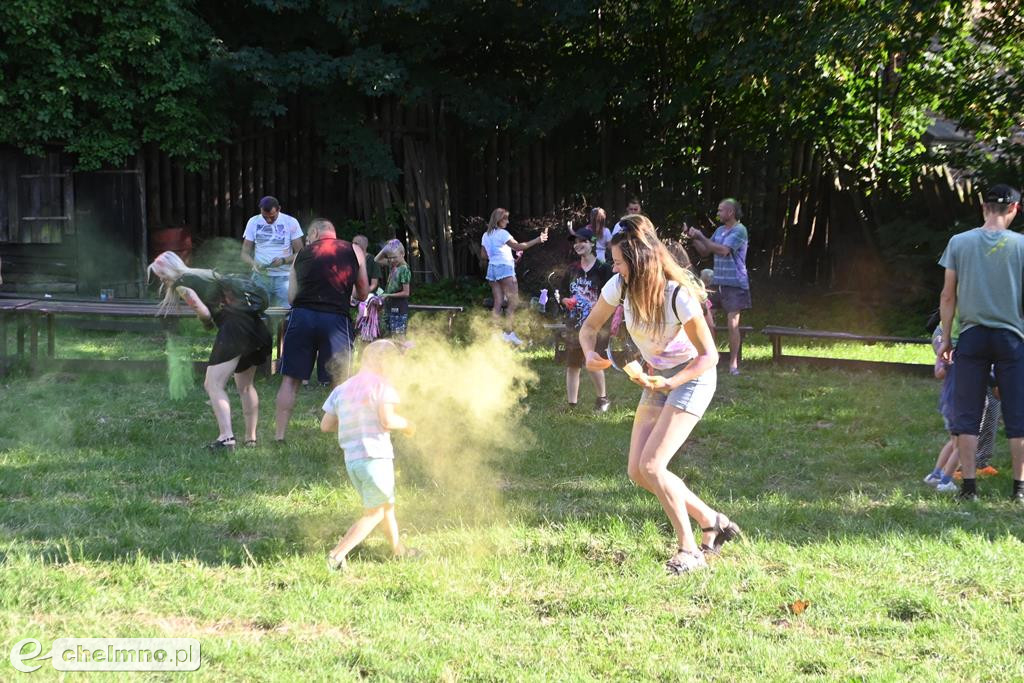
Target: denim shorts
{"type": "Point", "coordinates": [498, 271]}
{"type": "Point", "coordinates": [276, 287]}
{"type": "Point", "coordinates": [374, 479]}
{"type": "Point", "coordinates": [694, 397]}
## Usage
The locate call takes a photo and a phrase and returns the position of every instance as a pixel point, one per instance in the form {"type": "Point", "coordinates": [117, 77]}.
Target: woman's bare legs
{"type": "Point", "coordinates": [250, 401]}
{"type": "Point", "coordinates": [657, 434]}
{"type": "Point", "coordinates": [216, 379]}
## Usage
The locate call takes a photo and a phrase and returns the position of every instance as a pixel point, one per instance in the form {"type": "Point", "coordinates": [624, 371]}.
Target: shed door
{"type": "Point", "coordinates": [111, 234]}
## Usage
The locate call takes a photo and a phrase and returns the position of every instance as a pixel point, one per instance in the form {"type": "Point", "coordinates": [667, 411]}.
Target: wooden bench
{"type": "Point", "coordinates": [776, 334]}
{"type": "Point", "coordinates": [48, 310]}
{"type": "Point", "coordinates": [558, 329]}
{"type": "Point", "coordinates": [89, 313]}
{"type": "Point", "coordinates": [8, 309]}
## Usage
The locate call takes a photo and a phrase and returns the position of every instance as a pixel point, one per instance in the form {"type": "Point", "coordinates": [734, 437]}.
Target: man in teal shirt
{"type": "Point", "coordinates": [984, 283]}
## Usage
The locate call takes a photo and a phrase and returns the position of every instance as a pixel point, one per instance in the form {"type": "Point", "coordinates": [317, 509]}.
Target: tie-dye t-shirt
{"type": "Point", "coordinates": [357, 403]}
{"type": "Point", "coordinates": [666, 347]}
{"type": "Point", "coordinates": [585, 287]}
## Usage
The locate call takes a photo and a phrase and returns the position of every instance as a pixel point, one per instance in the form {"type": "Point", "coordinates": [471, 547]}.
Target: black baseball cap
{"type": "Point", "coordinates": [1002, 194]}
{"type": "Point", "coordinates": [582, 234]}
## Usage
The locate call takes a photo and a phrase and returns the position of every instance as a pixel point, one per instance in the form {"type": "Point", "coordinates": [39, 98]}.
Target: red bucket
{"type": "Point", "coordinates": [178, 240]}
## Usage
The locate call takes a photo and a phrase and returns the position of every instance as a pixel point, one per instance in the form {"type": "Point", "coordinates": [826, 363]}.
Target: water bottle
{"type": "Point", "coordinates": [558, 299]}
{"type": "Point", "coordinates": [542, 300]}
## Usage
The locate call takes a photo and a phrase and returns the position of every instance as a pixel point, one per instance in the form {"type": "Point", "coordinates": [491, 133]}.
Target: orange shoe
{"type": "Point", "coordinates": [987, 471]}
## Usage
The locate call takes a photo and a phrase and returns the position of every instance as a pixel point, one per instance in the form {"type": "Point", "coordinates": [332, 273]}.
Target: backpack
{"type": "Point", "coordinates": [241, 295]}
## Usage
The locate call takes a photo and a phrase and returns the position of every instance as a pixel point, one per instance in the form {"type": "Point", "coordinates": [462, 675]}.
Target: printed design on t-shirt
{"type": "Point", "coordinates": [271, 233]}
{"type": "Point", "coordinates": [582, 288]}
{"type": "Point", "coordinates": [1001, 244]}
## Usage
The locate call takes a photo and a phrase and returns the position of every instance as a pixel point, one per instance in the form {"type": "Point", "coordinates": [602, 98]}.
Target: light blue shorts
{"type": "Point", "coordinates": [497, 271]}
{"type": "Point", "coordinates": [374, 479]}
{"type": "Point", "coordinates": [694, 397]}
{"type": "Point", "coordinates": [276, 287]}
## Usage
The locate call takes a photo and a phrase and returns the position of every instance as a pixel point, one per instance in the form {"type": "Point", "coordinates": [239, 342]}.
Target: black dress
{"type": "Point", "coordinates": [240, 334]}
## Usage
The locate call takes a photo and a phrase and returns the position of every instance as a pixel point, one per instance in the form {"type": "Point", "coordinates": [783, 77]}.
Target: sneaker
{"type": "Point", "coordinates": [932, 480]}
{"type": "Point", "coordinates": [735, 372]}
{"type": "Point", "coordinates": [511, 338]}
{"type": "Point", "coordinates": [967, 497]}
{"type": "Point", "coordinates": [1017, 498]}
{"type": "Point", "coordinates": [948, 487]}
{"type": "Point", "coordinates": [602, 404]}
{"type": "Point", "coordinates": [225, 444]}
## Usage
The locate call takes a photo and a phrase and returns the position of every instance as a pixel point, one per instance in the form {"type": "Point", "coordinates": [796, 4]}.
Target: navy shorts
{"type": "Point", "coordinates": [310, 332]}
{"type": "Point", "coordinates": [978, 350]}
{"type": "Point", "coordinates": [730, 299]}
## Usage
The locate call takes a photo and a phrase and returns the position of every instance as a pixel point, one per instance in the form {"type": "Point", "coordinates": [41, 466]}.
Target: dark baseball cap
{"type": "Point", "coordinates": [582, 234]}
{"type": "Point", "coordinates": [268, 203]}
{"type": "Point", "coordinates": [1002, 194]}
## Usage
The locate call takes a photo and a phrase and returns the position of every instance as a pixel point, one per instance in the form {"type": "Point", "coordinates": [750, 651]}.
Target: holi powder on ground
{"type": "Point", "coordinates": [180, 376]}
{"type": "Point", "coordinates": [466, 400]}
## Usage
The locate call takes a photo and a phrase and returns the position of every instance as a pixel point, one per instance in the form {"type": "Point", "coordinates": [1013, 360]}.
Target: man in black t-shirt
{"type": "Point", "coordinates": [323, 277]}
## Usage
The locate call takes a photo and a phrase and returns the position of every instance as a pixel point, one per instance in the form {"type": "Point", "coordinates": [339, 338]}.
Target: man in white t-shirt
{"type": "Point", "coordinates": [633, 208]}
{"type": "Point", "coordinates": [269, 245]}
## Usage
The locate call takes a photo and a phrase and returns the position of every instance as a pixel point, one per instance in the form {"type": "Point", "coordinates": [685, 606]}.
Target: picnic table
{"type": "Point", "coordinates": [48, 310]}
{"type": "Point", "coordinates": [34, 313]}
{"type": "Point", "coordinates": [8, 309]}
{"type": "Point", "coordinates": [777, 334]}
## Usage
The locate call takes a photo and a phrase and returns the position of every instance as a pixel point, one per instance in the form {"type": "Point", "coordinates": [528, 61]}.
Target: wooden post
{"type": "Point", "coordinates": [51, 342]}
{"type": "Point", "coordinates": [776, 348]}
{"type": "Point", "coordinates": [33, 339]}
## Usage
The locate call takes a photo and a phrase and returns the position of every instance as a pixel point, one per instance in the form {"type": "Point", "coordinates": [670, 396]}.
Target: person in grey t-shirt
{"type": "Point", "coordinates": [984, 286]}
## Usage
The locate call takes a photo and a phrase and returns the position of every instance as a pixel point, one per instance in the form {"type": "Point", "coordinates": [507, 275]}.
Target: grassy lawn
{"type": "Point", "coordinates": [542, 560]}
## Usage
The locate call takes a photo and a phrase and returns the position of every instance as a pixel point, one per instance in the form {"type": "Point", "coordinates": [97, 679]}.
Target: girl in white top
{"type": "Point", "coordinates": [662, 303]}
{"type": "Point", "coordinates": [496, 248]}
{"type": "Point", "coordinates": [598, 218]}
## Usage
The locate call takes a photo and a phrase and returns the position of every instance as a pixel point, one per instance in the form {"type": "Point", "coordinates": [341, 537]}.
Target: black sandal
{"type": "Point", "coordinates": [723, 534]}
{"type": "Point", "coordinates": [226, 444]}
{"type": "Point", "coordinates": [250, 443]}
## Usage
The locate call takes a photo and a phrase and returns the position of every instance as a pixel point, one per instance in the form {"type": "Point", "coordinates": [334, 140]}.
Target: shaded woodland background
{"type": "Point", "coordinates": [856, 134]}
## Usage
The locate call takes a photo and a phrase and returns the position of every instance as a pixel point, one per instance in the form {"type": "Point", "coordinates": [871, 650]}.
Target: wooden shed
{"type": "Point", "coordinates": [70, 232]}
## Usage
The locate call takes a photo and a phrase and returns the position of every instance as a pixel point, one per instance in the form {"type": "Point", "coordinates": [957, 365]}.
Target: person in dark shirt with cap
{"type": "Point", "coordinates": [983, 287]}
{"type": "Point", "coordinates": [323, 277]}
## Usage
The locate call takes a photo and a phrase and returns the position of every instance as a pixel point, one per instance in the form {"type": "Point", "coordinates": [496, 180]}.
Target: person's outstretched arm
{"type": "Point", "coordinates": [599, 315]}
{"type": "Point", "coordinates": [189, 296]}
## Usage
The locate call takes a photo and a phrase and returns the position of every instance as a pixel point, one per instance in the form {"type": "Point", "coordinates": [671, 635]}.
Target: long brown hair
{"type": "Point", "coordinates": [651, 267]}
{"type": "Point", "coordinates": [496, 216]}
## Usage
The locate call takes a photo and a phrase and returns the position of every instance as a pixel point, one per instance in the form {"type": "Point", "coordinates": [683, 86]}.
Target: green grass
{"type": "Point", "coordinates": [542, 560]}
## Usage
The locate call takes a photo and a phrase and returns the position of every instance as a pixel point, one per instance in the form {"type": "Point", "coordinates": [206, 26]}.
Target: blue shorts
{"type": "Point", "coordinates": [730, 299]}
{"type": "Point", "coordinates": [946, 400]}
{"type": "Point", "coordinates": [310, 332]}
{"type": "Point", "coordinates": [276, 287]}
{"type": "Point", "coordinates": [694, 397]}
{"type": "Point", "coordinates": [497, 271]}
{"type": "Point", "coordinates": [374, 479]}
{"type": "Point", "coordinates": [978, 349]}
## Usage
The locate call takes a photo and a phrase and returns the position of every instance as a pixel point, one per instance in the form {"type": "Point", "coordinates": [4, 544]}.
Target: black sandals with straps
{"type": "Point", "coordinates": [723, 534]}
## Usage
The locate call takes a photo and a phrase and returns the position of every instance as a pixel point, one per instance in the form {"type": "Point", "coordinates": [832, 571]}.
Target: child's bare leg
{"type": "Point", "coordinates": [947, 450]}
{"type": "Point", "coordinates": [952, 459]}
{"type": "Point", "coordinates": [598, 379]}
{"type": "Point", "coordinates": [358, 532]}
{"type": "Point", "coordinates": [572, 384]}
{"type": "Point", "coordinates": [391, 529]}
